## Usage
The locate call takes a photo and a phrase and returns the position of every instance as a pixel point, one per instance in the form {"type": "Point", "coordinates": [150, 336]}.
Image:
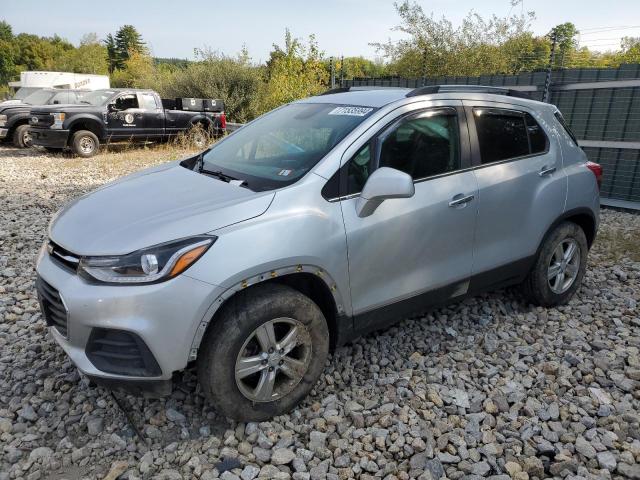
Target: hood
{"type": "Point", "coordinates": [10, 108]}
{"type": "Point", "coordinates": [152, 206]}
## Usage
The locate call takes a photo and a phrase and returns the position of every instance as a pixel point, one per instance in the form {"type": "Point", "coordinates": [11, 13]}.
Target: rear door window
{"type": "Point", "coordinates": [502, 134]}
{"type": "Point", "coordinates": [537, 137]}
{"type": "Point", "coordinates": [148, 101]}
{"type": "Point", "coordinates": [507, 134]}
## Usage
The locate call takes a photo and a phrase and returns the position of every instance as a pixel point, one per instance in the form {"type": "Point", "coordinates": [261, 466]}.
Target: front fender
{"type": "Point", "coordinates": [85, 118]}
{"type": "Point", "coordinates": [15, 120]}
{"type": "Point", "coordinates": [263, 275]}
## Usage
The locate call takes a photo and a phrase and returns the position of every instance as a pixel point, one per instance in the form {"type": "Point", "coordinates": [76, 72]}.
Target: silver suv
{"type": "Point", "coordinates": [321, 220]}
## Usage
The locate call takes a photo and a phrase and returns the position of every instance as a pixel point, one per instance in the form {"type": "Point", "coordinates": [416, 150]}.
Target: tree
{"type": "Point", "coordinates": [566, 43]}
{"type": "Point", "coordinates": [89, 57]}
{"type": "Point", "coordinates": [293, 72]}
{"type": "Point", "coordinates": [435, 47]}
{"type": "Point", "coordinates": [138, 72]}
{"type": "Point", "coordinates": [6, 32]}
{"type": "Point", "coordinates": [123, 45]}
{"type": "Point", "coordinates": [213, 75]}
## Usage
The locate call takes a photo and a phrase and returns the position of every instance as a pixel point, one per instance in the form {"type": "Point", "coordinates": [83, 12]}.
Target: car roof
{"type": "Point", "coordinates": [374, 97]}
{"type": "Point", "coordinates": [378, 97]}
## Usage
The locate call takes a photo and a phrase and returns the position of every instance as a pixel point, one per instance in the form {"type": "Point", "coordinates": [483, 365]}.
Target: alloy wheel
{"type": "Point", "coordinates": [273, 359]}
{"type": "Point", "coordinates": [564, 266]}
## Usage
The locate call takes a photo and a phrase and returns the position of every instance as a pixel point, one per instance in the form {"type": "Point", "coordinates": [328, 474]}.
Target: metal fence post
{"type": "Point", "coordinates": [546, 94]}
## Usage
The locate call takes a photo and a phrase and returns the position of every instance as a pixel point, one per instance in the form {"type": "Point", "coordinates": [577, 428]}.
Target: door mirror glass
{"type": "Point", "coordinates": [383, 184]}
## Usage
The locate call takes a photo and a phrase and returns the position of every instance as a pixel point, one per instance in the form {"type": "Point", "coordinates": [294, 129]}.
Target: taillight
{"type": "Point", "coordinates": [223, 121]}
{"type": "Point", "coordinates": [596, 168]}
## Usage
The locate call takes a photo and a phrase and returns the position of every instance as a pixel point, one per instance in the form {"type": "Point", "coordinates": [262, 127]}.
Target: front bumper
{"type": "Point", "coordinates": [47, 137]}
{"type": "Point", "coordinates": [163, 316]}
{"type": "Point", "coordinates": [4, 132]}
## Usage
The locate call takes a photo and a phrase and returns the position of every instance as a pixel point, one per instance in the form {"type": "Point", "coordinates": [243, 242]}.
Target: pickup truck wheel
{"type": "Point", "coordinates": [559, 268]}
{"type": "Point", "coordinates": [85, 143]}
{"type": "Point", "coordinates": [264, 353]}
{"type": "Point", "coordinates": [22, 137]}
{"type": "Point", "coordinates": [198, 137]}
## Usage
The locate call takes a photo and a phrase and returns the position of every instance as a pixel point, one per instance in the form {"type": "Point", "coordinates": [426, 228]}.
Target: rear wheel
{"type": "Point", "coordinates": [22, 137]}
{"type": "Point", "coordinates": [559, 268]}
{"type": "Point", "coordinates": [198, 137]}
{"type": "Point", "coordinates": [85, 143]}
{"type": "Point", "coordinates": [264, 353]}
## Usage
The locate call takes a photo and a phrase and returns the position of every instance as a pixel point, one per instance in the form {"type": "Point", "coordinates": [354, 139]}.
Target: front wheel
{"type": "Point", "coordinates": [264, 353]}
{"type": "Point", "coordinates": [22, 137]}
{"type": "Point", "coordinates": [559, 268]}
{"type": "Point", "coordinates": [85, 143]}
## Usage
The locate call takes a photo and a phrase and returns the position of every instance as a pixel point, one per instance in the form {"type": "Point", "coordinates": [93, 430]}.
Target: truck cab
{"type": "Point", "coordinates": [114, 115]}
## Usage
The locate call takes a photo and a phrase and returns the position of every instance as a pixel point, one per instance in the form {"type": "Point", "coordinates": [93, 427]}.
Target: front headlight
{"type": "Point", "coordinates": [149, 265]}
{"type": "Point", "coordinates": [3, 120]}
{"type": "Point", "coordinates": [58, 120]}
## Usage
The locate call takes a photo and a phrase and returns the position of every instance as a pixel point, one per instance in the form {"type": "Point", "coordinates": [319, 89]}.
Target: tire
{"type": "Point", "coordinates": [198, 137]}
{"type": "Point", "coordinates": [21, 137]}
{"type": "Point", "coordinates": [540, 287]}
{"type": "Point", "coordinates": [232, 337]}
{"type": "Point", "coordinates": [85, 143]}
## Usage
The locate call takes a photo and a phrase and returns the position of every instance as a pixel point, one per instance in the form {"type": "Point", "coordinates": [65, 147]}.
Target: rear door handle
{"type": "Point", "coordinates": [546, 171]}
{"type": "Point", "coordinates": [456, 202]}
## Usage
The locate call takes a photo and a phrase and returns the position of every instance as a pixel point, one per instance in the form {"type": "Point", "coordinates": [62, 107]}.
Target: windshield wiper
{"type": "Point", "coordinates": [199, 167]}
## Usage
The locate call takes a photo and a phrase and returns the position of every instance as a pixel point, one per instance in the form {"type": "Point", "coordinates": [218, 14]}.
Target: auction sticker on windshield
{"type": "Point", "coordinates": [351, 111]}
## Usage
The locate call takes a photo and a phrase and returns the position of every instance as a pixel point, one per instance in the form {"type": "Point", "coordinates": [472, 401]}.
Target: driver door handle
{"type": "Point", "coordinates": [546, 171]}
{"type": "Point", "coordinates": [456, 202]}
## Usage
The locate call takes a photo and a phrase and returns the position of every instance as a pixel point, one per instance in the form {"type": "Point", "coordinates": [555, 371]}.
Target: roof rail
{"type": "Point", "coordinates": [431, 89]}
{"type": "Point", "coordinates": [336, 90]}
{"type": "Point", "coordinates": [359, 88]}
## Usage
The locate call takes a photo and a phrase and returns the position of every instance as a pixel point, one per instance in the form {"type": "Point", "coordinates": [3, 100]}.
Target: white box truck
{"type": "Point", "coordinates": [35, 80]}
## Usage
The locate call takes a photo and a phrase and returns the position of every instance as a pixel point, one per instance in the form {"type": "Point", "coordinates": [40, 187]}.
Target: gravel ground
{"type": "Point", "coordinates": [487, 388]}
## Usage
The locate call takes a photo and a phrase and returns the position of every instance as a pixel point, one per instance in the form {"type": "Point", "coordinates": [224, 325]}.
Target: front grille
{"type": "Point", "coordinates": [63, 257]}
{"type": "Point", "coordinates": [41, 120]}
{"type": "Point", "coordinates": [122, 353]}
{"type": "Point", "coordinates": [53, 308]}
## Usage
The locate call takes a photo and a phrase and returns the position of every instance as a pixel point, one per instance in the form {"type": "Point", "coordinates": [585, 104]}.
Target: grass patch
{"type": "Point", "coordinates": [615, 244]}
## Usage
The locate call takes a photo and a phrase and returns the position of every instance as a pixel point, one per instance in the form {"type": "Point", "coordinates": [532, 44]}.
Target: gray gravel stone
{"type": "Point", "coordinates": [489, 385]}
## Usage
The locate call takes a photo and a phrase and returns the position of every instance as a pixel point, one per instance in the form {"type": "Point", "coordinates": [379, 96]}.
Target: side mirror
{"type": "Point", "coordinates": [383, 184]}
{"type": "Point", "coordinates": [112, 107]}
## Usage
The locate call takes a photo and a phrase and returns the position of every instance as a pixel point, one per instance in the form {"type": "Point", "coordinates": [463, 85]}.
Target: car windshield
{"type": "Point", "coordinates": [41, 97]}
{"type": "Point", "coordinates": [24, 92]}
{"type": "Point", "coordinates": [97, 97]}
{"type": "Point", "coordinates": [280, 147]}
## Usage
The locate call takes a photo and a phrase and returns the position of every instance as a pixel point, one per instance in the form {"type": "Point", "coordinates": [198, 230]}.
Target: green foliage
{"type": "Point", "coordinates": [435, 47]}
{"type": "Point", "coordinates": [123, 45]}
{"type": "Point", "coordinates": [234, 79]}
{"type": "Point", "coordinates": [138, 70]}
{"type": "Point", "coordinates": [293, 72]}
{"type": "Point", "coordinates": [89, 57]}
{"type": "Point", "coordinates": [355, 67]}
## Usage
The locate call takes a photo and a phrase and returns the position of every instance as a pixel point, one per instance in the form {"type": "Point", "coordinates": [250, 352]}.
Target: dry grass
{"type": "Point", "coordinates": [615, 244]}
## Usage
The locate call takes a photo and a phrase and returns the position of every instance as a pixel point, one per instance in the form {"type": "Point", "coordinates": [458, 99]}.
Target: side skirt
{"type": "Point", "coordinates": [387, 315]}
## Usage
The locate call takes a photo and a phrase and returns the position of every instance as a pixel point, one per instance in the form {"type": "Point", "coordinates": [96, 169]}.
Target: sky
{"type": "Point", "coordinates": [174, 29]}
